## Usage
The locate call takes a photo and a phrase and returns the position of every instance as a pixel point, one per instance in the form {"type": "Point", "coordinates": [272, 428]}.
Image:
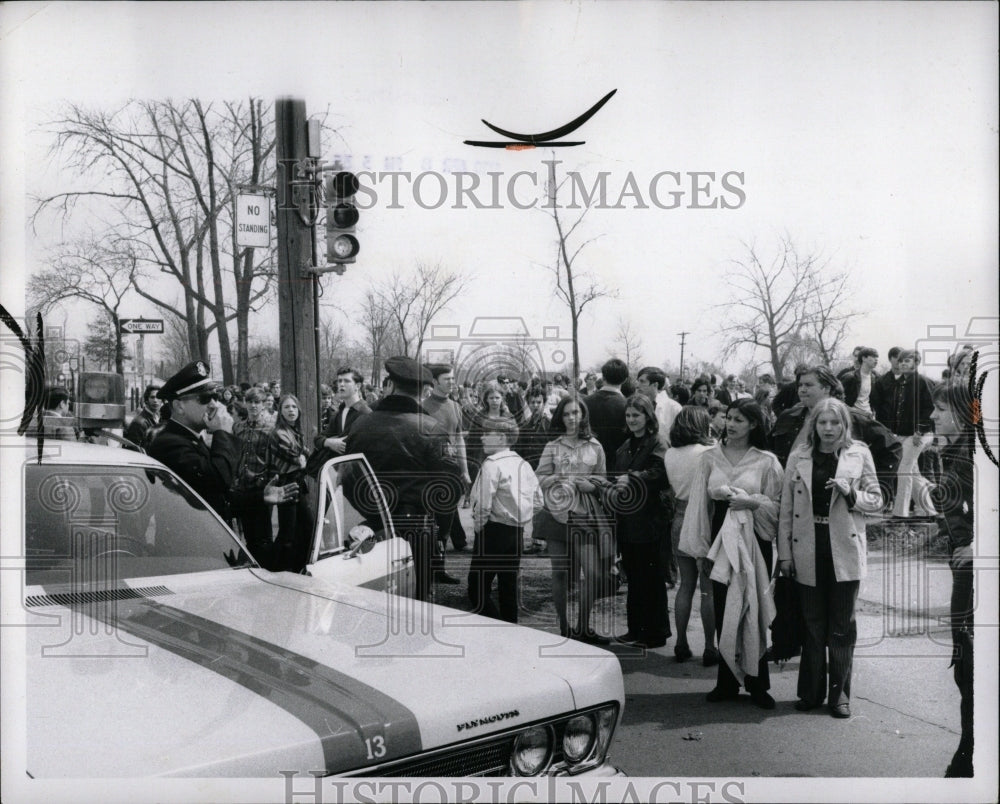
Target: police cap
{"type": "Point", "coordinates": [406, 369]}
{"type": "Point", "coordinates": [192, 379]}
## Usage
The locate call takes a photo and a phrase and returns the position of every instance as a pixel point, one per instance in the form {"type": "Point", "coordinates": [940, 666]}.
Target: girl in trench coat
{"type": "Point", "coordinates": [829, 488]}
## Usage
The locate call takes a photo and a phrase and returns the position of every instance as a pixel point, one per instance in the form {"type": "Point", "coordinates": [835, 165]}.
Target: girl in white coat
{"type": "Point", "coordinates": [829, 488]}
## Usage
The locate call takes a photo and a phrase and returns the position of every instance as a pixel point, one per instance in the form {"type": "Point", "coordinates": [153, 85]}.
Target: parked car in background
{"type": "Point", "coordinates": [160, 647]}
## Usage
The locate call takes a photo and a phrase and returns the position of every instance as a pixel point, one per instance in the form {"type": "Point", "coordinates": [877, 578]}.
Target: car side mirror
{"type": "Point", "coordinates": [362, 541]}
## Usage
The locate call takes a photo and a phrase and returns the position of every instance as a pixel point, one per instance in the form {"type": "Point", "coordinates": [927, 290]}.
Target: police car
{"type": "Point", "coordinates": [158, 647]}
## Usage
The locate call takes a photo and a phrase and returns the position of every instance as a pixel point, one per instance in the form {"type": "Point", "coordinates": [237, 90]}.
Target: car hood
{"type": "Point", "coordinates": [250, 673]}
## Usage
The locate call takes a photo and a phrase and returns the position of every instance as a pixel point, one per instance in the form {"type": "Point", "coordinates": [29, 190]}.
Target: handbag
{"type": "Point", "coordinates": [546, 527]}
{"type": "Point", "coordinates": [788, 626]}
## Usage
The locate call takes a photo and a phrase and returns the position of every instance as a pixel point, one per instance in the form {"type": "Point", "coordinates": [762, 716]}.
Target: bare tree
{"type": "Point", "coordinates": [165, 179]}
{"type": "Point", "coordinates": [524, 355]}
{"type": "Point", "coordinates": [627, 345]}
{"type": "Point", "coordinates": [574, 288]}
{"type": "Point", "coordinates": [332, 345]}
{"type": "Point", "coordinates": [788, 305]}
{"type": "Point", "coordinates": [830, 318]}
{"type": "Point", "coordinates": [264, 360]}
{"type": "Point", "coordinates": [336, 349]}
{"type": "Point", "coordinates": [86, 269]}
{"type": "Point", "coordinates": [174, 350]}
{"type": "Point", "coordinates": [414, 301]}
{"type": "Point", "coordinates": [380, 337]}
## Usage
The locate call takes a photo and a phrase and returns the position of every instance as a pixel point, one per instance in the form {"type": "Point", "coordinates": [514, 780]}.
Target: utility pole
{"type": "Point", "coordinates": [683, 335]}
{"type": "Point", "coordinates": [297, 209]}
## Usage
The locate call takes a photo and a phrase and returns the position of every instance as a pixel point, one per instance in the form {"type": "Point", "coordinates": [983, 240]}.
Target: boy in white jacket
{"type": "Point", "coordinates": [504, 498]}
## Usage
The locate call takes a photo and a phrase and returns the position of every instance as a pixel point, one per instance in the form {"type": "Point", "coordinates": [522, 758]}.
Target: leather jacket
{"type": "Point", "coordinates": [405, 446]}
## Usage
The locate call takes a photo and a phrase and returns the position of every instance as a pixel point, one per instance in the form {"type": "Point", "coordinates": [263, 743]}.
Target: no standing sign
{"type": "Point", "coordinates": [253, 221]}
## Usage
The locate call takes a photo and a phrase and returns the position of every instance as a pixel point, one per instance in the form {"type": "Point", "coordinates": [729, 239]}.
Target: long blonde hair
{"type": "Point", "coordinates": [827, 405]}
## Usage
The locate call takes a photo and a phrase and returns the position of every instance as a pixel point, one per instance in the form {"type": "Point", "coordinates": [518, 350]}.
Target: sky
{"type": "Point", "coordinates": [865, 132]}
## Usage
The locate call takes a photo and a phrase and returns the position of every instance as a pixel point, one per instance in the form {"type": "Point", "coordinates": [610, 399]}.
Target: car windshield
{"type": "Point", "coordinates": [87, 524]}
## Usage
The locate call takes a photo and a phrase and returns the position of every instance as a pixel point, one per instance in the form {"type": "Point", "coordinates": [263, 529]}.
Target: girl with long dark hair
{"type": "Point", "coordinates": [640, 523]}
{"type": "Point", "coordinates": [577, 532]}
{"type": "Point", "coordinates": [731, 520]}
{"type": "Point", "coordinates": [286, 458]}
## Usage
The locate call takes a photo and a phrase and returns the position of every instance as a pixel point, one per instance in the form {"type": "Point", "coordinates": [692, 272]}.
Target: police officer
{"type": "Point", "coordinates": [197, 441]}
{"type": "Point", "coordinates": [406, 447]}
{"type": "Point", "coordinates": [182, 444]}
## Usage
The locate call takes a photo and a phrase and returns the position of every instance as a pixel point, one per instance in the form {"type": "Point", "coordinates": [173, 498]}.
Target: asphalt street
{"type": "Point", "coordinates": [905, 704]}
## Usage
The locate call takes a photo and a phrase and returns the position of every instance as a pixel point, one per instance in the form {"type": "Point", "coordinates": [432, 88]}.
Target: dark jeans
{"type": "Point", "coordinates": [497, 557]}
{"type": "Point", "coordinates": [962, 606]}
{"type": "Point", "coordinates": [255, 521]}
{"type": "Point", "coordinates": [646, 607]}
{"type": "Point", "coordinates": [828, 611]}
{"type": "Point", "coordinates": [294, 536]}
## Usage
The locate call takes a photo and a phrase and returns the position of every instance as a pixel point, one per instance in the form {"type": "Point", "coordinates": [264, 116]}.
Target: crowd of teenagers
{"type": "Point", "coordinates": [702, 487]}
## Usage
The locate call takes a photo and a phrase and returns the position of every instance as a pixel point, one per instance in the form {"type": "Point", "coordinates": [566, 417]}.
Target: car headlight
{"type": "Point", "coordinates": [606, 719]}
{"type": "Point", "coordinates": [586, 739]}
{"type": "Point", "coordinates": [578, 738]}
{"type": "Point", "coordinates": [532, 751]}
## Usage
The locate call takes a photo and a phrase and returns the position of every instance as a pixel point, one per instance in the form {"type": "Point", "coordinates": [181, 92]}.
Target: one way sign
{"type": "Point", "coordinates": [141, 326]}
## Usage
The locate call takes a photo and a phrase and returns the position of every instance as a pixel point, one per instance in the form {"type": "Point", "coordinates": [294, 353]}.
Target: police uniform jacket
{"type": "Point", "coordinates": [796, 523]}
{"type": "Point", "coordinates": [209, 471]}
{"type": "Point", "coordinates": [405, 446]}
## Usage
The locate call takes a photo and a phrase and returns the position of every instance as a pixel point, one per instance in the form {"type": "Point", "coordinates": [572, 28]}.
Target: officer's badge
{"type": "Point", "coordinates": [201, 368]}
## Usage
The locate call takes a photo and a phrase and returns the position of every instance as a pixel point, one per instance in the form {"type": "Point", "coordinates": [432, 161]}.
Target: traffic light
{"type": "Point", "coordinates": [341, 217]}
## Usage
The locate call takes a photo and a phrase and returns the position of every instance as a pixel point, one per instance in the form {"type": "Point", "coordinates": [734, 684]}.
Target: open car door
{"type": "Point", "coordinates": [354, 541]}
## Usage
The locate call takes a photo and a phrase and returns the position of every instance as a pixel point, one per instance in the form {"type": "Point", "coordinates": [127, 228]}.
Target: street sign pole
{"type": "Point", "coordinates": [140, 359]}
{"type": "Point", "coordinates": [296, 213]}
